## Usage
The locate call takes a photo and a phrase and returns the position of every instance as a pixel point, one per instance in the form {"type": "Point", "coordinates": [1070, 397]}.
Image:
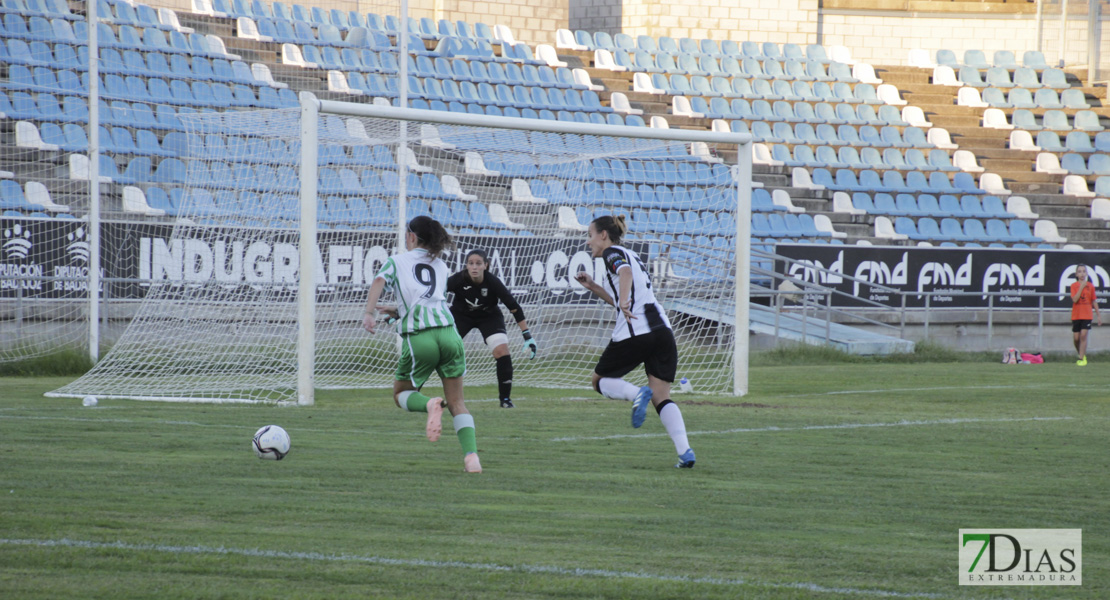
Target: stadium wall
{"type": "Point", "coordinates": [531, 21]}
{"type": "Point", "coordinates": [779, 21]}
{"type": "Point", "coordinates": [886, 37]}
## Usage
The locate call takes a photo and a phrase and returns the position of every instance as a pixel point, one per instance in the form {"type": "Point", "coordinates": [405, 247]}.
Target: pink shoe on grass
{"type": "Point", "coordinates": [471, 463]}
{"type": "Point", "coordinates": [434, 426]}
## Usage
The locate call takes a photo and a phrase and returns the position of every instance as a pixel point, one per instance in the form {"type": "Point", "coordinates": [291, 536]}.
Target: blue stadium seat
{"type": "Point", "coordinates": [825, 113]}
{"type": "Point", "coordinates": [862, 201]}
{"type": "Point", "coordinates": [972, 206]}
{"type": "Point", "coordinates": [1075, 164]}
{"type": "Point", "coordinates": [1055, 120]}
{"type": "Point", "coordinates": [890, 136]}
{"type": "Point", "coordinates": [1049, 141]}
{"type": "Point", "coordinates": [998, 231]}
{"type": "Point", "coordinates": [993, 207]}
{"type": "Point", "coordinates": [908, 228]}
{"type": "Point", "coordinates": [1071, 98]}
{"type": "Point", "coordinates": [906, 204]}
{"type": "Point", "coordinates": [965, 183]}
{"type": "Point", "coordinates": [996, 97]}
{"type": "Point", "coordinates": [970, 76]}
{"type": "Point", "coordinates": [1026, 78]}
{"type": "Point", "coordinates": [999, 77]}
{"type": "Point", "coordinates": [1099, 164]}
{"type": "Point", "coordinates": [950, 206]}
{"type": "Point", "coordinates": [1087, 120]}
{"type": "Point", "coordinates": [951, 229]}
{"type": "Point", "coordinates": [1055, 78]}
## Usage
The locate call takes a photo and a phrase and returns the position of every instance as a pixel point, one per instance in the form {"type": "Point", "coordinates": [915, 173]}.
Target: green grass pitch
{"type": "Point", "coordinates": [829, 481]}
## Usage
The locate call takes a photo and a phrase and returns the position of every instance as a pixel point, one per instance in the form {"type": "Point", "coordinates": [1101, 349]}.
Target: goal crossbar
{"type": "Point", "coordinates": [471, 120]}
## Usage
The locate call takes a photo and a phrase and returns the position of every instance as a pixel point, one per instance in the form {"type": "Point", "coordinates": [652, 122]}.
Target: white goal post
{"type": "Point", "coordinates": [229, 316]}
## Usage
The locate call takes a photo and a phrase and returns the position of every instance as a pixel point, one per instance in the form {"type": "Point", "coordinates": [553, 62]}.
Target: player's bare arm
{"type": "Point", "coordinates": [369, 316]}
{"type": "Point", "coordinates": [584, 279]}
{"type": "Point", "coordinates": [625, 283]}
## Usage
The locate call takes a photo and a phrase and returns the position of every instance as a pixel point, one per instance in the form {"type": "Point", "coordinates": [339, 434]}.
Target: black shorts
{"type": "Point", "coordinates": [1080, 324]}
{"type": "Point", "coordinates": [656, 350]}
{"type": "Point", "coordinates": [487, 324]}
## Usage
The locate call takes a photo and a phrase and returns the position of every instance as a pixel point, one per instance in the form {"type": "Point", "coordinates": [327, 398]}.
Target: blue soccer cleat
{"type": "Point", "coordinates": [639, 406]}
{"type": "Point", "coordinates": [686, 460]}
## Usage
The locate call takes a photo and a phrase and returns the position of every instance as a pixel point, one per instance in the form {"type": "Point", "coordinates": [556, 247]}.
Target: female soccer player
{"type": "Point", "coordinates": [642, 334]}
{"type": "Point", "coordinates": [1084, 302]}
{"type": "Point", "coordinates": [477, 292]}
{"type": "Point", "coordinates": [419, 279]}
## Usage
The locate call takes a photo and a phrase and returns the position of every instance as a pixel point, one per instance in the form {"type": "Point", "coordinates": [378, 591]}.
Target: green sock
{"type": "Point", "coordinates": [415, 402]}
{"type": "Point", "coordinates": [464, 429]}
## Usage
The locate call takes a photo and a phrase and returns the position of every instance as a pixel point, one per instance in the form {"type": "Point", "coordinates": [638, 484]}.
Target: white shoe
{"type": "Point", "coordinates": [471, 464]}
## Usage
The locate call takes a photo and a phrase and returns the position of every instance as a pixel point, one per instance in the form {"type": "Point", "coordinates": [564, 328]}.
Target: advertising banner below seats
{"type": "Point", "coordinates": [945, 273]}
{"type": "Point", "coordinates": [47, 259]}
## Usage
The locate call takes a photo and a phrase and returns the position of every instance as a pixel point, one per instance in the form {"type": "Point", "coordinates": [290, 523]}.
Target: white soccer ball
{"type": "Point", "coordinates": [89, 401]}
{"type": "Point", "coordinates": [271, 442]}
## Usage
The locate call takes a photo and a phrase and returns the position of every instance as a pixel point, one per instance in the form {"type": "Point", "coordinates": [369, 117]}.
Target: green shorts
{"type": "Point", "coordinates": [439, 349]}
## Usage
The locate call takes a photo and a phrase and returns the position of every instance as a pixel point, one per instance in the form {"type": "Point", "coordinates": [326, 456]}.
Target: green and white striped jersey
{"type": "Point", "coordinates": [419, 281]}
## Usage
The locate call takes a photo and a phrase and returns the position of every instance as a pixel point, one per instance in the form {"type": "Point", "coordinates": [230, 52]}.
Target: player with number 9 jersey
{"type": "Point", "coordinates": [429, 341]}
{"type": "Point", "coordinates": [419, 281]}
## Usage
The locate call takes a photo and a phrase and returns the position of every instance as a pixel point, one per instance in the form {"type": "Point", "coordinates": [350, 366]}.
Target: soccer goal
{"type": "Point", "coordinates": [256, 292]}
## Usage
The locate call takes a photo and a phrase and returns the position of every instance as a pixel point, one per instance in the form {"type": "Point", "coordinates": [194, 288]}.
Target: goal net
{"type": "Point", "coordinates": [227, 316]}
{"type": "Point", "coordinates": [45, 239]}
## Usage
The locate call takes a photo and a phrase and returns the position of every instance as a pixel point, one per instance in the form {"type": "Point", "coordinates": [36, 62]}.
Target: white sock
{"type": "Point", "coordinates": [403, 399]}
{"type": "Point", "coordinates": [671, 416]}
{"type": "Point", "coordinates": [617, 389]}
{"type": "Point", "coordinates": [461, 421]}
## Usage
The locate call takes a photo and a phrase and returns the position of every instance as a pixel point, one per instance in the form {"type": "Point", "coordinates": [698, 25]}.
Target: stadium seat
{"type": "Point", "coordinates": [1055, 78]}
{"type": "Point", "coordinates": [884, 229]}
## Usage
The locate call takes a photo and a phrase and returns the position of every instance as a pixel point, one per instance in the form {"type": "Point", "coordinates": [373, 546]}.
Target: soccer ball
{"type": "Point", "coordinates": [271, 442]}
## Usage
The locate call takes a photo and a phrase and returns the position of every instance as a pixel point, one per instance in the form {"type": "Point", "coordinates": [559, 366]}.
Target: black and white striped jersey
{"type": "Point", "coordinates": [643, 305]}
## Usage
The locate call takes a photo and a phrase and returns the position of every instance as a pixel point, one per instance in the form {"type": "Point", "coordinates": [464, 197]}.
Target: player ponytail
{"type": "Point", "coordinates": [614, 226]}
{"type": "Point", "coordinates": [431, 235]}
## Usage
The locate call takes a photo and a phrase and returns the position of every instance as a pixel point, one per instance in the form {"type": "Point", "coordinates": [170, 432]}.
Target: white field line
{"type": "Point", "coordinates": [573, 572]}
{"type": "Point", "coordinates": [940, 389]}
{"type": "Point", "coordinates": [774, 429]}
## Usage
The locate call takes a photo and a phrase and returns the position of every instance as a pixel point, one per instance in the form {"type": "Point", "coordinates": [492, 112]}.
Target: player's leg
{"type": "Point", "coordinates": [614, 387]}
{"type": "Point", "coordinates": [617, 360]}
{"type": "Point", "coordinates": [493, 332]}
{"type": "Point", "coordinates": [419, 357]}
{"type": "Point", "coordinates": [499, 342]}
{"type": "Point", "coordinates": [1075, 330]}
{"type": "Point", "coordinates": [451, 368]}
{"type": "Point", "coordinates": [661, 367]}
{"type": "Point", "coordinates": [1083, 347]}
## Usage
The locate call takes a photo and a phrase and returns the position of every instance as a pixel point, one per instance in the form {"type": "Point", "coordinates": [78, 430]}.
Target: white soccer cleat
{"type": "Point", "coordinates": [471, 464]}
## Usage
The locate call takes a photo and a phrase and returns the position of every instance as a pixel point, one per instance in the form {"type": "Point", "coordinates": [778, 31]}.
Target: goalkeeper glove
{"type": "Point", "coordinates": [529, 343]}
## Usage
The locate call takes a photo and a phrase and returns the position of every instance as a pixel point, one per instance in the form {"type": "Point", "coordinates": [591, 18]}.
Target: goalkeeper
{"type": "Point", "coordinates": [477, 292]}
